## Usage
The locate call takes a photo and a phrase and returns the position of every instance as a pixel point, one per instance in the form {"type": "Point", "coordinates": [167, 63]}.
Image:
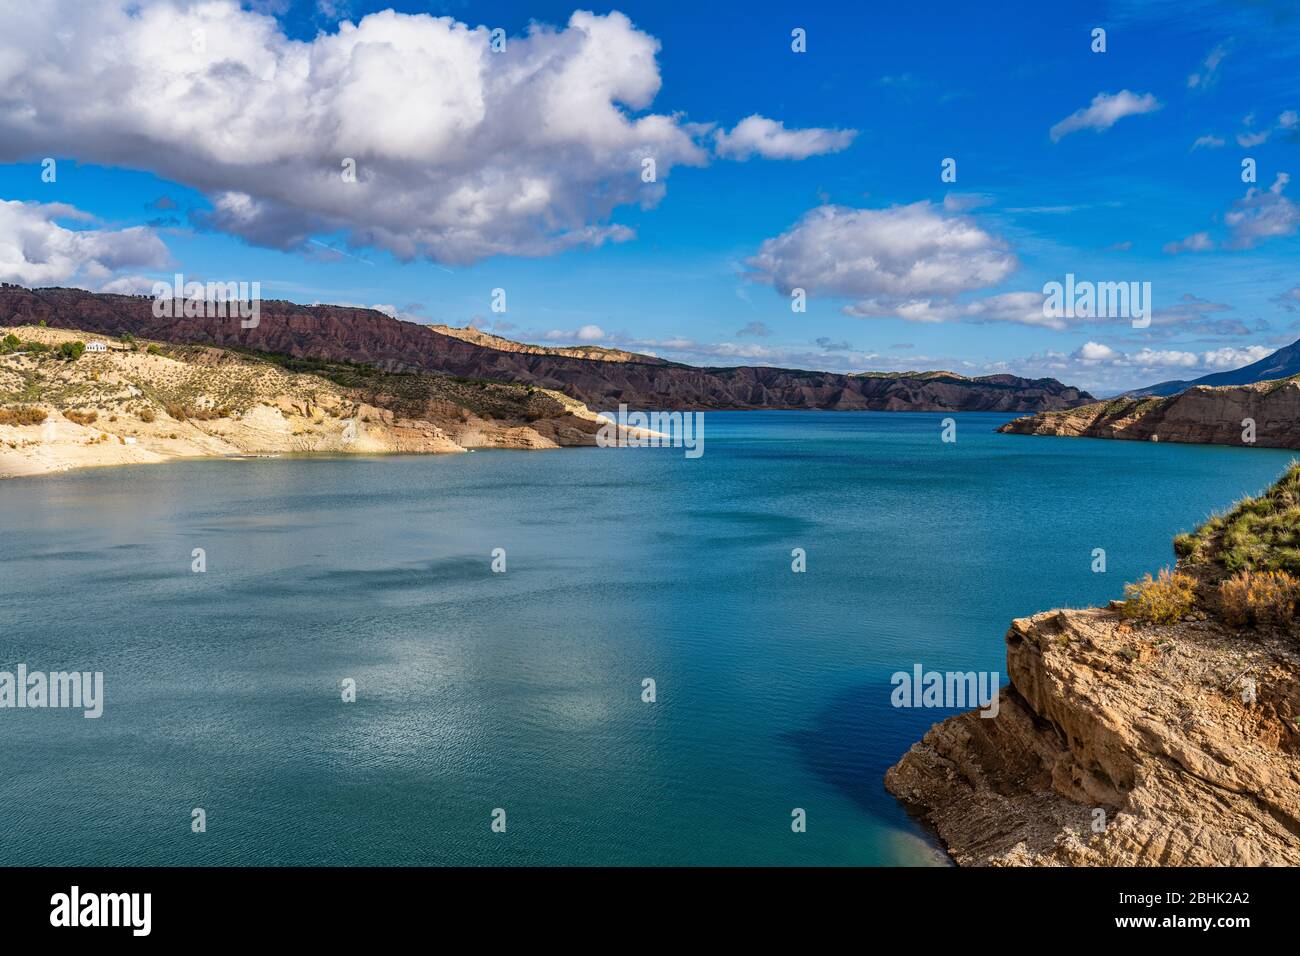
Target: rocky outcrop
{"type": "Point", "coordinates": [598, 353]}
{"type": "Point", "coordinates": [1201, 415]}
{"type": "Point", "coordinates": [365, 336]}
{"type": "Point", "coordinates": [141, 402]}
{"type": "Point", "coordinates": [1121, 743]}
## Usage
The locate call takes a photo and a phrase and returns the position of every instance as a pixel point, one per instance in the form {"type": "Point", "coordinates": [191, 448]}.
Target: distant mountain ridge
{"type": "Point", "coordinates": [1283, 363]}
{"type": "Point", "coordinates": [337, 333]}
{"type": "Point", "coordinates": [599, 353]}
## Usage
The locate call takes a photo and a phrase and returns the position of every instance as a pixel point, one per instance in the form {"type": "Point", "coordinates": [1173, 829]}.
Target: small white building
{"type": "Point", "coordinates": [96, 347]}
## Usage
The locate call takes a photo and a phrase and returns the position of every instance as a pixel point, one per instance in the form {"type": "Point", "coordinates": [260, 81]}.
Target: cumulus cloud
{"type": "Point", "coordinates": [460, 152]}
{"type": "Point", "coordinates": [902, 253]}
{"type": "Point", "coordinates": [36, 250]}
{"type": "Point", "coordinates": [1230, 358]}
{"type": "Point", "coordinates": [1262, 214]}
{"type": "Point", "coordinates": [1104, 112]}
{"type": "Point", "coordinates": [1148, 359]}
{"type": "Point", "coordinates": [1095, 352]}
{"type": "Point", "coordinates": [759, 136]}
{"type": "Point", "coordinates": [1197, 242]}
{"type": "Point", "coordinates": [587, 333]}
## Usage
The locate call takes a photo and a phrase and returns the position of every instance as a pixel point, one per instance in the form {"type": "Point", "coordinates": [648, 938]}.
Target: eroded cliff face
{"type": "Point", "coordinates": [142, 403]}
{"type": "Point", "coordinates": [1199, 415]}
{"type": "Point", "coordinates": [335, 333]}
{"type": "Point", "coordinates": [1118, 744]}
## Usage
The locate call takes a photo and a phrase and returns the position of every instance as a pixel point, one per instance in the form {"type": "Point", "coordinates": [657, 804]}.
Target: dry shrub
{"type": "Point", "coordinates": [148, 415]}
{"type": "Point", "coordinates": [189, 413]}
{"type": "Point", "coordinates": [1161, 600]}
{"type": "Point", "coordinates": [81, 418]}
{"type": "Point", "coordinates": [1259, 597]}
{"type": "Point", "coordinates": [22, 415]}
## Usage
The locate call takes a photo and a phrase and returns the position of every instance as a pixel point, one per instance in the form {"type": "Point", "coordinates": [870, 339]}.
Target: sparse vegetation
{"type": "Point", "coordinates": [22, 415]}
{"type": "Point", "coordinates": [148, 415]}
{"type": "Point", "coordinates": [81, 418]}
{"type": "Point", "coordinates": [1160, 600]}
{"type": "Point", "coordinates": [1254, 598]}
{"type": "Point", "coordinates": [1257, 534]}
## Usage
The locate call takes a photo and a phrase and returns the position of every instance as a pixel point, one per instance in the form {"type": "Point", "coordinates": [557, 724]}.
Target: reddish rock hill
{"type": "Point", "coordinates": [366, 336]}
{"type": "Point", "coordinates": [1200, 415]}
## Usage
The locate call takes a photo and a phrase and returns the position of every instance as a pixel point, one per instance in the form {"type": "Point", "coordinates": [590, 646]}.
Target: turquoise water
{"type": "Point", "coordinates": [523, 690]}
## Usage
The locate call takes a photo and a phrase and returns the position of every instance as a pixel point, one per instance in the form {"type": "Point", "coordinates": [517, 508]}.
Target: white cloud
{"type": "Point", "coordinates": [1150, 360]}
{"type": "Point", "coordinates": [759, 136]}
{"type": "Point", "coordinates": [1230, 358]}
{"type": "Point", "coordinates": [1206, 76]}
{"type": "Point", "coordinates": [751, 353]}
{"type": "Point", "coordinates": [1095, 352]}
{"type": "Point", "coordinates": [1104, 112]}
{"type": "Point", "coordinates": [964, 202]}
{"type": "Point", "coordinates": [1025, 308]}
{"type": "Point", "coordinates": [36, 250]}
{"type": "Point", "coordinates": [1197, 242]}
{"type": "Point", "coordinates": [1262, 214]}
{"type": "Point", "coordinates": [587, 333]}
{"type": "Point", "coordinates": [1208, 141]}
{"type": "Point", "coordinates": [909, 251]}
{"type": "Point", "coordinates": [461, 153]}
{"type": "Point", "coordinates": [1287, 120]}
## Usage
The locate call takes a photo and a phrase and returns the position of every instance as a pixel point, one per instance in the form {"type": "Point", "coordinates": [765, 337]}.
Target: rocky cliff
{"type": "Point", "coordinates": [1119, 743]}
{"type": "Point", "coordinates": [364, 335]}
{"type": "Point", "coordinates": [1201, 414]}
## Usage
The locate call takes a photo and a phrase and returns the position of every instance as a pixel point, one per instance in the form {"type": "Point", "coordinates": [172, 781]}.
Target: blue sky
{"type": "Point", "coordinates": [162, 152]}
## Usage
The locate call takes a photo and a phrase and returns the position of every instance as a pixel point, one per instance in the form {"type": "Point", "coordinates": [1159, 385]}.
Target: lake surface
{"type": "Point", "coordinates": [478, 690]}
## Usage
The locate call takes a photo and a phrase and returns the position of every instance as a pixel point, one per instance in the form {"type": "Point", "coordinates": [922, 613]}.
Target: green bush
{"type": "Point", "coordinates": [72, 350]}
